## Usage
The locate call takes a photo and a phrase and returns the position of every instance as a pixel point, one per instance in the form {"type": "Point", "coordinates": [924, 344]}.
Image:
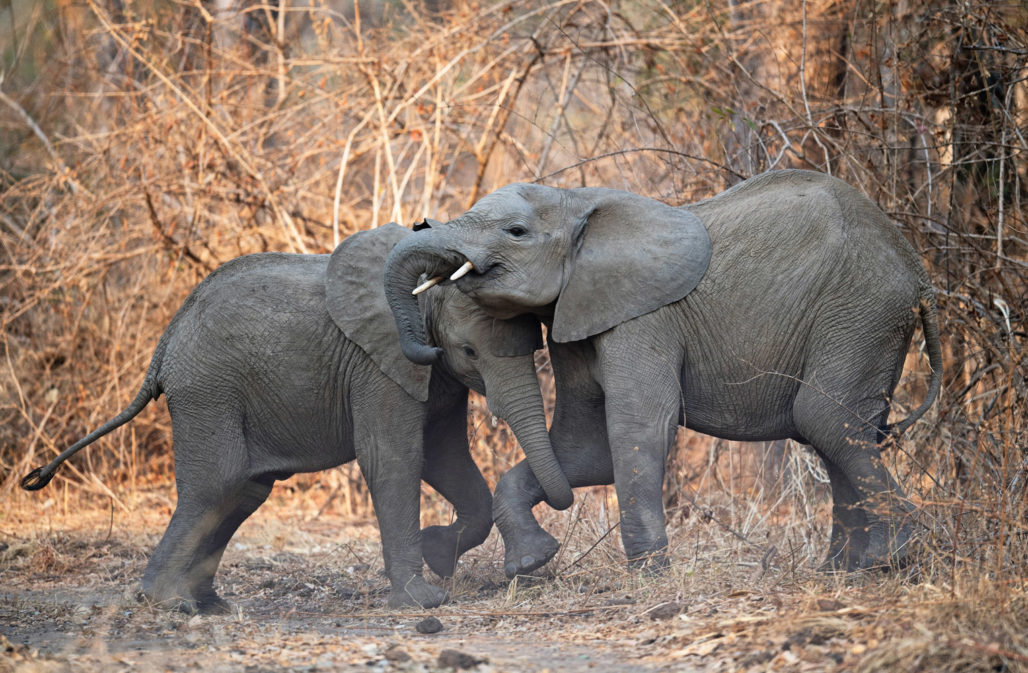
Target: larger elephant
{"type": "Point", "coordinates": [282, 363]}
{"type": "Point", "coordinates": [780, 308]}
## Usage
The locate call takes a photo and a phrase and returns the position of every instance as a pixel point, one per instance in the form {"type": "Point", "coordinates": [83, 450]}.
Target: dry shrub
{"type": "Point", "coordinates": [144, 144]}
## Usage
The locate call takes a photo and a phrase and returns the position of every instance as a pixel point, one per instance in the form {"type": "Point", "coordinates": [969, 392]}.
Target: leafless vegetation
{"type": "Point", "coordinates": [142, 144]}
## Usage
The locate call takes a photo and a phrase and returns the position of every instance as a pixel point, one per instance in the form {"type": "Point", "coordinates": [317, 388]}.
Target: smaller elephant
{"type": "Point", "coordinates": [282, 363]}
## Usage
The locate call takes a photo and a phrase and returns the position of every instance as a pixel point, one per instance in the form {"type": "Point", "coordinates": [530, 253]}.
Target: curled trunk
{"type": "Point", "coordinates": [411, 257]}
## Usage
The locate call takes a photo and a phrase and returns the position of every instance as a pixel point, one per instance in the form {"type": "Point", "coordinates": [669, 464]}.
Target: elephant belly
{"type": "Point", "coordinates": [298, 418]}
{"type": "Point", "coordinates": [298, 427]}
{"type": "Point", "coordinates": [304, 444]}
{"type": "Point", "coordinates": [742, 365]}
{"type": "Point", "coordinates": [737, 406]}
{"type": "Point", "coordinates": [747, 430]}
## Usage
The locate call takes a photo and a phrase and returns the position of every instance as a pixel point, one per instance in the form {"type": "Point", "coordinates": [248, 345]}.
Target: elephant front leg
{"type": "Point", "coordinates": [639, 452]}
{"type": "Point", "coordinates": [450, 470]}
{"type": "Point", "coordinates": [389, 453]}
{"type": "Point", "coordinates": [643, 407]}
{"type": "Point", "coordinates": [579, 438]}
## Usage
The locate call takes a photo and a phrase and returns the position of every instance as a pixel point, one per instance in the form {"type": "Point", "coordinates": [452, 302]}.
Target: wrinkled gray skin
{"type": "Point", "coordinates": [781, 308]}
{"type": "Point", "coordinates": [283, 363]}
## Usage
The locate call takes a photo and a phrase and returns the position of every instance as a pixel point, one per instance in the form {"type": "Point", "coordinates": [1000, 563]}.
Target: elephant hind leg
{"type": "Point", "coordinates": [180, 574]}
{"type": "Point", "coordinates": [870, 514]}
{"type": "Point", "coordinates": [849, 523]}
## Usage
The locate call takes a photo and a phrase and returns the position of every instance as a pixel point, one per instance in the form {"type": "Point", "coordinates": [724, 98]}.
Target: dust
{"type": "Point", "coordinates": [309, 594]}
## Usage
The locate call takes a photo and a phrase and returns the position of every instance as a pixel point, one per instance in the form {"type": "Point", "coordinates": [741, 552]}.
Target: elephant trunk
{"type": "Point", "coordinates": [520, 404]}
{"type": "Point", "coordinates": [411, 257]}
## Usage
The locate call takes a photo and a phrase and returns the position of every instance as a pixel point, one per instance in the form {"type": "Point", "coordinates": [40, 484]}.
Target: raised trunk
{"type": "Point", "coordinates": [411, 257]}
{"type": "Point", "coordinates": [519, 402]}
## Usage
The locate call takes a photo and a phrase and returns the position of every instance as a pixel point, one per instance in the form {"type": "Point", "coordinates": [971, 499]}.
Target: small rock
{"type": "Point", "coordinates": [667, 610]}
{"type": "Point", "coordinates": [457, 660]}
{"type": "Point", "coordinates": [756, 658]}
{"type": "Point", "coordinates": [396, 654]}
{"type": "Point", "coordinates": [620, 600]}
{"type": "Point", "coordinates": [800, 638]}
{"type": "Point", "coordinates": [490, 587]}
{"type": "Point", "coordinates": [829, 605]}
{"type": "Point", "coordinates": [429, 625]}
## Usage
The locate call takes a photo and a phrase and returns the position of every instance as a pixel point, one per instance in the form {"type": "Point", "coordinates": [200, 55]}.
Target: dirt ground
{"type": "Point", "coordinates": [309, 595]}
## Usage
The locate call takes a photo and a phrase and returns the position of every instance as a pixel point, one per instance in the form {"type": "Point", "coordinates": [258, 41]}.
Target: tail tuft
{"type": "Point", "coordinates": [36, 479]}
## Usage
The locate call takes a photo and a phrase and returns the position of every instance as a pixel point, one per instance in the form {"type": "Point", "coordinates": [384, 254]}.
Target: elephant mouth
{"type": "Point", "coordinates": [475, 278]}
{"type": "Point", "coordinates": [468, 276]}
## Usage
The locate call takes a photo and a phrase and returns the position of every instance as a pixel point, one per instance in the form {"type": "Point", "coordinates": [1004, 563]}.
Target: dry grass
{"type": "Point", "coordinates": [143, 144]}
{"type": "Point", "coordinates": [309, 592]}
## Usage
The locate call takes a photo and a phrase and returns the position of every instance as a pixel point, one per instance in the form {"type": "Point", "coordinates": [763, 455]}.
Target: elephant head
{"type": "Point", "coordinates": [491, 356]}
{"type": "Point", "coordinates": [590, 257]}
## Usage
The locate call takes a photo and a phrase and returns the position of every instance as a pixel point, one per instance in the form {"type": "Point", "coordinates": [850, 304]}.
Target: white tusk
{"type": "Point", "coordinates": [463, 270]}
{"type": "Point", "coordinates": [427, 284]}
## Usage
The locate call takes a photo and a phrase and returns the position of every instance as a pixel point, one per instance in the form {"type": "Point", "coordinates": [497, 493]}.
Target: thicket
{"type": "Point", "coordinates": [144, 143]}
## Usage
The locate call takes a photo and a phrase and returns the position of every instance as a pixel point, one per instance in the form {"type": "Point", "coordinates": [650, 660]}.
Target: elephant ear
{"type": "Point", "coordinates": [633, 256]}
{"type": "Point", "coordinates": [355, 298]}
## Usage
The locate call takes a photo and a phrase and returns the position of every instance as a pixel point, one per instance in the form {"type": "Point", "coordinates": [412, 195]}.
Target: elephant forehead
{"type": "Point", "coordinates": [501, 204]}
{"type": "Point", "coordinates": [519, 199]}
{"type": "Point", "coordinates": [458, 309]}
{"type": "Point", "coordinates": [463, 321]}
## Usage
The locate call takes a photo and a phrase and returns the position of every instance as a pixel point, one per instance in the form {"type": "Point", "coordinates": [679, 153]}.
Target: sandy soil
{"type": "Point", "coordinates": [309, 596]}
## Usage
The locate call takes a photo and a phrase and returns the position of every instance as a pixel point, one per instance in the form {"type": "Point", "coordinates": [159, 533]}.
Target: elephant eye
{"type": "Point", "coordinates": [517, 231]}
{"type": "Point", "coordinates": [469, 351]}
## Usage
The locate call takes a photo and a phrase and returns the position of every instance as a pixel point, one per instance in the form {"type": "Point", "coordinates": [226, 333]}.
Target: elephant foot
{"type": "Point", "coordinates": [416, 592]}
{"type": "Point", "coordinates": [888, 546]}
{"type": "Point", "coordinates": [215, 605]}
{"type": "Point", "coordinates": [440, 549]}
{"type": "Point", "coordinates": [839, 561]}
{"type": "Point", "coordinates": [528, 552]}
{"type": "Point", "coordinates": [654, 563]}
{"type": "Point", "coordinates": [205, 603]}
{"type": "Point", "coordinates": [883, 546]}
{"type": "Point", "coordinates": [844, 551]}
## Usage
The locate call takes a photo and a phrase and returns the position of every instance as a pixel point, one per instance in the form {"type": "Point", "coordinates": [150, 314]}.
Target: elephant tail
{"type": "Point", "coordinates": [150, 390]}
{"type": "Point", "coordinates": [930, 327]}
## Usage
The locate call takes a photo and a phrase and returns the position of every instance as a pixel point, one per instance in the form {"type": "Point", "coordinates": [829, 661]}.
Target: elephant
{"type": "Point", "coordinates": [781, 308]}
{"type": "Point", "coordinates": [279, 363]}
